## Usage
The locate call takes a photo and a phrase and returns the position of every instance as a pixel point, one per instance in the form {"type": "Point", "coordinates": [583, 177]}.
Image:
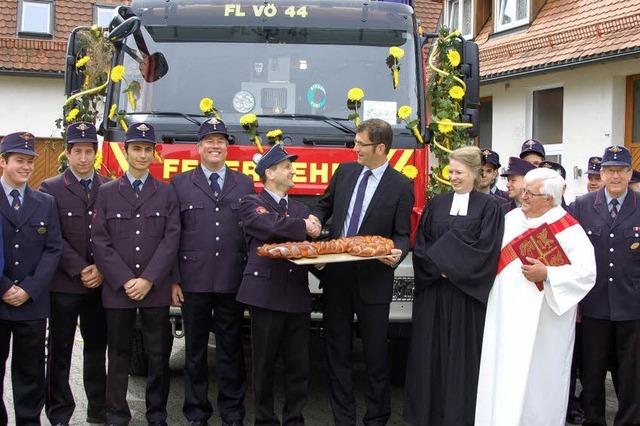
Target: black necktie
{"type": "Point", "coordinates": [357, 205]}
{"type": "Point", "coordinates": [16, 199]}
{"type": "Point", "coordinates": [85, 184]}
{"type": "Point", "coordinates": [283, 204]}
{"type": "Point", "coordinates": [614, 208]}
{"type": "Point", "coordinates": [215, 187]}
{"type": "Point", "coordinates": [136, 187]}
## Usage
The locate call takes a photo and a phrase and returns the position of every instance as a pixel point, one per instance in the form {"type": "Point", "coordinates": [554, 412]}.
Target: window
{"type": "Point", "coordinates": [459, 15]}
{"type": "Point", "coordinates": [632, 115]}
{"type": "Point", "coordinates": [36, 17]}
{"type": "Point", "coordinates": [102, 15]}
{"type": "Point", "coordinates": [511, 13]}
{"type": "Point", "coordinates": [547, 115]}
{"type": "Point", "coordinates": [486, 122]}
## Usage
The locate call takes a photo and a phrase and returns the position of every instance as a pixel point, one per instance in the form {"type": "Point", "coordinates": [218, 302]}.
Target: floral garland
{"type": "Point", "coordinates": [446, 92]}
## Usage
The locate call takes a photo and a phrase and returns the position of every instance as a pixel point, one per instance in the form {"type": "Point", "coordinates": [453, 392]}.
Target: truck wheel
{"type": "Point", "coordinates": [398, 353]}
{"type": "Point", "coordinates": [138, 363]}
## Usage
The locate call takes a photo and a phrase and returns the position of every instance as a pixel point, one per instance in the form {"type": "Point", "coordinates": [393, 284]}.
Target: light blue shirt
{"type": "Point", "coordinates": [132, 179]}
{"type": "Point", "coordinates": [620, 199]}
{"type": "Point", "coordinates": [372, 185]}
{"type": "Point", "coordinates": [221, 174]}
{"type": "Point", "coordinates": [8, 188]}
{"type": "Point", "coordinates": [80, 178]}
{"type": "Point", "coordinates": [277, 197]}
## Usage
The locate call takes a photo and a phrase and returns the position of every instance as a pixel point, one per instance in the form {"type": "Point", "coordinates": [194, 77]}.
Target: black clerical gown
{"type": "Point", "coordinates": [448, 313]}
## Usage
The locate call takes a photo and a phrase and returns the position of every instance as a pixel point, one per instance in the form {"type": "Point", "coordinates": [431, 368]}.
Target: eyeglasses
{"type": "Point", "coordinates": [360, 144]}
{"type": "Point", "coordinates": [533, 194]}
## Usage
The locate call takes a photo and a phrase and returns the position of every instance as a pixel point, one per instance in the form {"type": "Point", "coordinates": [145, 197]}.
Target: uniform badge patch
{"type": "Point", "coordinates": [261, 210]}
{"type": "Point", "coordinates": [634, 246]}
{"type": "Point", "coordinates": [42, 230]}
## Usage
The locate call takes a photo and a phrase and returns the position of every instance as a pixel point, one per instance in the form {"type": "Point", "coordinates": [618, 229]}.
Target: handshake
{"type": "Point", "coordinates": [313, 226]}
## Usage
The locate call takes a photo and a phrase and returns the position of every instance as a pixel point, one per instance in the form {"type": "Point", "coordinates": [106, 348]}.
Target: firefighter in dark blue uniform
{"type": "Point", "coordinates": [32, 249]}
{"type": "Point", "coordinates": [611, 310]}
{"type": "Point", "coordinates": [489, 175]}
{"type": "Point", "coordinates": [533, 152]}
{"type": "Point", "coordinates": [593, 174]}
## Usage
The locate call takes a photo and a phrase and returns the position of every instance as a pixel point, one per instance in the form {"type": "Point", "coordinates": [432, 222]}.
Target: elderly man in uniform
{"type": "Point", "coordinates": [611, 311]}
{"type": "Point", "coordinates": [211, 258]}
{"type": "Point", "coordinates": [276, 290]}
{"type": "Point", "coordinates": [136, 231]}
{"type": "Point", "coordinates": [533, 152]}
{"type": "Point", "coordinates": [75, 289]}
{"type": "Point", "coordinates": [489, 175]}
{"type": "Point", "coordinates": [593, 174]}
{"type": "Point", "coordinates": [515, 172]}
{"type": "Point", "coordinates": [32, 248]}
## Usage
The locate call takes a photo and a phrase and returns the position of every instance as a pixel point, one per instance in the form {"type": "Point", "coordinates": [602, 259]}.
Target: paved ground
{"type": "Point", "coordinates": [317, 411]}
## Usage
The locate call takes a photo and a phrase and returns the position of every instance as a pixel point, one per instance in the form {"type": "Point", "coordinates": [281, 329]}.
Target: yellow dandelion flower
{"type": "Point", "coordinates": [445, 126]}
{"type": "Point", "coordinates": [248, 119]}
{"type": "Point", "coordinates": [112, 111]}
{"type": "Point", "coordinates": [82, 61]}
{"type": "Point", "coordinates": [206, 105]}
{"type": "Point", "coordinates": [404, 112]}
{"type": "Point", "coordinates": [445, 172]}
{"type": "Point", "coordinates": [410, 171]}
{"type": "Point", "coordinates": [396, 52]}
{"type": "Point", "coordinates": [355, 94]}
{"type": "Point", "coordinates": [274, 134]}
{"type": "Point", "coordinates": [98, 162]}
{"type": "Point", "coordinates": [117, 73]}
{"type": "Point", "coordinates": [456, 92]}
{"type": "Point", "coordinates": [454, 57]}
{"type": "Point", "coordinates": [72, 115]}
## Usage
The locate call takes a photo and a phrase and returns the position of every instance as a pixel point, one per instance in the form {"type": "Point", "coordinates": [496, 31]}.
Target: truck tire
{"type": "Point", "coordinates": [398, 353]}
{"type": "Point", "coordinates": [138, 363]}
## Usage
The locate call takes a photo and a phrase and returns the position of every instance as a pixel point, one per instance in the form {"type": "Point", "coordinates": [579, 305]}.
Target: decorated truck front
{"type": "Point", "coordinates": [292, 65]}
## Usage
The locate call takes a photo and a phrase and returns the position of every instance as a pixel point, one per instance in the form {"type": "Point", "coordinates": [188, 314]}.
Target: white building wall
{"type": "Point", "coordinates": [593, 113]}
{"type": "Point", "coordinates": [31, 103]}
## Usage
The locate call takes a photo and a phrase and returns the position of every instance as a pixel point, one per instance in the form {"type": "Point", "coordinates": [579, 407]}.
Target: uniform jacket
{"type": "Point", "coordinates": [75, 211]}
{"type": "Point", "coordinates": [616, 295]}
{"type": "Point", "coordinates": [32, 249]}
{"type": "Point", "coordinates": [274, 284]}
{"type": "Point", "coordinates": [212, 252]}
{"type": "Point", "coordinates": [388, 215]}
{"type": "Point", "coordinates": [136, 237]}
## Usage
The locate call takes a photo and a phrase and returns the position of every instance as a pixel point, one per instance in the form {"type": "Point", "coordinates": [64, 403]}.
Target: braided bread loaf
{"type": "Point", "coordinates": [364, 246]}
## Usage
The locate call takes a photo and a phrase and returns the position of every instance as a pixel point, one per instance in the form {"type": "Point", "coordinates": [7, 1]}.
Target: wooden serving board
{"type": "Point", "coordinates": [334, 258]}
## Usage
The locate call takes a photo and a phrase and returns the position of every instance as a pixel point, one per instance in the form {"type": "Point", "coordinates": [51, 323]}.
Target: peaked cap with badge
{"type": "Point", "coordinates": [518, 166]}
{"type": "Point", "coordinates": [275, 155]}
{"type": "Point", "coordinates": [140, 132]}
{"type": "Point", "coordinates": [81, 132]}
{"type": "Point", "coordinates": [554, 166]}
{"type": "Point", "coordinates": [593, 166]}
{"type": "Point", "coordinates": [212, 126]}
{"type": "Point", "coordinates": [490, 157]}
{"type": "Point", "coordinates": [19, 143]}
{"type": "Point", "coordinates": [616, 156]}
{"type": "Point", "coordinates": [532, 146]}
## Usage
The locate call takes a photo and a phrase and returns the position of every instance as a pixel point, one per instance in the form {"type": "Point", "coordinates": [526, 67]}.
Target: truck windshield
{"type": "Point", "coordinates": [274, 71]}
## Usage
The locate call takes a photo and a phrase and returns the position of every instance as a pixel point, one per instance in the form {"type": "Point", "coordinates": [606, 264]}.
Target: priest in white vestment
{"type": "Point", "coordinates": [528, 338]}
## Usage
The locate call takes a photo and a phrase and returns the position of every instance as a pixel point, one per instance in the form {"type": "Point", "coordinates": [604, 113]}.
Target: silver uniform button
{"type": "Point", "coordinates": [217, 254]}
{"type": "Point", "coordinates": [138, 215]}
{"type": "Point", "coordinates": [217, 238]}
{"type": "Point", "coordinates": [637, 235]}
{"type": "Point", "coordinates": [16, 281]}
{"type": "Point", "coordinates": [184, 257]}
{"type": "Point", "coordinates": [17, 230]}
{"type": "Point", "coordinates": [290, 270]}
{"type": "Point", "coordinates": [16, 263]}
{"type": "Point", "coordinates": [611, 249]}
{"type": "Point", "coordinates": [41, 223]}
{"type": "Point", "coordinates": [17, 246]}
{"type": "Point", "coordinates": [157, 213]}
{"type": "Point", "coordinates": [137, 232]}
{"type": "Point", "coordinates": [69, 214]}
{"type": "Point", "coordinates": [90, 212]}
{"type": "Point", "coordinates": [611, 235]}
{"type": "Point", "coordinates": [217, 223]}
{"type": "Point", "coordinates": [137, 248]}
{"type": "Point", "coordinates": [137, 265]}
{"type": "Point", "coordinates": [611, 265]}
{"type": "Point", "coordinates": [589, 232]}
{"type": "Point", "coordinates": [217, 209]}
{"type": "Point", "coordinates": [118, 215]}
{"type": "Point", "coordinates": [255, 273]}
{"type": "Point", "coordinates": [190, 207]}
{"type": "Point", "coordinates": [610, 279]}
{"type": "Point", "coordinates": [89, 226]}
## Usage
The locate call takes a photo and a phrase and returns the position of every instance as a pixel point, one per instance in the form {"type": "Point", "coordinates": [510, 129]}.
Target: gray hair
{"type": "Point", "coordinates": [552, 183]}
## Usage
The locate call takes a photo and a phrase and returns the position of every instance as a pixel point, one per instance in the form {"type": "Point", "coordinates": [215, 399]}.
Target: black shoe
{"type": "Point", "coordinates": [575, 416]}
{"type": "Point", "coordinates": [234, 423]}
{"type": "Point", "coordinates": [198, 423]}
{"type": "Point", "coordinates": [96, 420]}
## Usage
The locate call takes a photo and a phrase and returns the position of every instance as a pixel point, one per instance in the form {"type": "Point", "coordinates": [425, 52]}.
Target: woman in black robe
{"type": "Point", "coordinates": [455, 261]}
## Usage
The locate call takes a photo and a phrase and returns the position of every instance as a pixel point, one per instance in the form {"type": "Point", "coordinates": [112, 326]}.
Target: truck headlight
{"type": "Point", "coordinates": [244, 102]}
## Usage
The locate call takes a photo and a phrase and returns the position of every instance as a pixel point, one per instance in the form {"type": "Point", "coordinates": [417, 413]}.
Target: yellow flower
{"type": "Point", "coordinates": [248, 119]}
{"type": "Point", "coordinates": [455, 33]}
{"type": "Point", "coordinates": [445, 172]}
{"type": "Point", "coordinates": [404, 112]}
{"type": "Point", "coordinates": [72, 115]}
{"type": "Point", "coordinates": [117, 73]}
{"type": "Point", "coordinates": [454, 57]}
{"type": "Point", "coordinates": [82, 61]}
{"type": "Point", "coordinates": [98, 162]}
{"type": "Point", "coordinates": [445, 126]}
{"type": "Point", "coordinates": [410, 171]}
{"type": "Point", "coordinates": [456, 92]}
{"type": "Point", "coordinates": [355, 94]}
{"type": "Point", "coordinates": [206, 105]}
{"type": "Point", "coordinates": [131, 97]}
{"type": "Point", "coordinates": [396, 52]}
{"type": "Point", "coordinates": [274, 134]}
{"type": "Point", "coordinates": [112, 111]}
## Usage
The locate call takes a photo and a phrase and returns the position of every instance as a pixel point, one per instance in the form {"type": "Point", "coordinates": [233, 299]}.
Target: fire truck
{"type": "Point", "coordinates": [291, 63]}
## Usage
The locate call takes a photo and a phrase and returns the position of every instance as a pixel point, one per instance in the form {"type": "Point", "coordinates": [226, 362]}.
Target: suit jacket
{"type": "Point", "coordinates": [275, 284]}
{"type": "Point", "coordinates": [212, 252]}
{"type": "Point", "coordinates": [32, 249]}
{"type": "Point", "coordinates": [75, 211]}
{"type": "Point", "coordinates": [616, 295]}
{"type": "Point", "coordinates": [136, 237]}
{"type": "Point", "coordinates": [388, 215]}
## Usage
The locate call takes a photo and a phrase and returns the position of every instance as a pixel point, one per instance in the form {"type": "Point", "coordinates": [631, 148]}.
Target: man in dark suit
{"type": "Point", "coordinates": [211, 261]}
{"type": "Point", "coordinates": [611, 310]}
{"type": "Point", "coordinates": [135, 233]}
{"type": "Point", "coordinates": [75, 289]}
{"type": "Point", "coordinates": [32, 247]}
{"type": "Point", "coordinates": [364, 198]}
{"type": "Point", "coordinates": [277, 290]}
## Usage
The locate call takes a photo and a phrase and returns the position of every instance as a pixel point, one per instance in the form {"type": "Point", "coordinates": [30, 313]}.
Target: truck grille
{"type": "Point", "coordinates": [273, 100]}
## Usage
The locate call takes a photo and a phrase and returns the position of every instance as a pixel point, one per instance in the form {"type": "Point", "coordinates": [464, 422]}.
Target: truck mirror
{"type": "Point", "coordinates": [72, 75]}
{"type": "Point", "coordinates": [122, 28]}
{"type": "Point", "coordinates": [153, 67]}
{"type": "Point", "coordinates": [471, 72]}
